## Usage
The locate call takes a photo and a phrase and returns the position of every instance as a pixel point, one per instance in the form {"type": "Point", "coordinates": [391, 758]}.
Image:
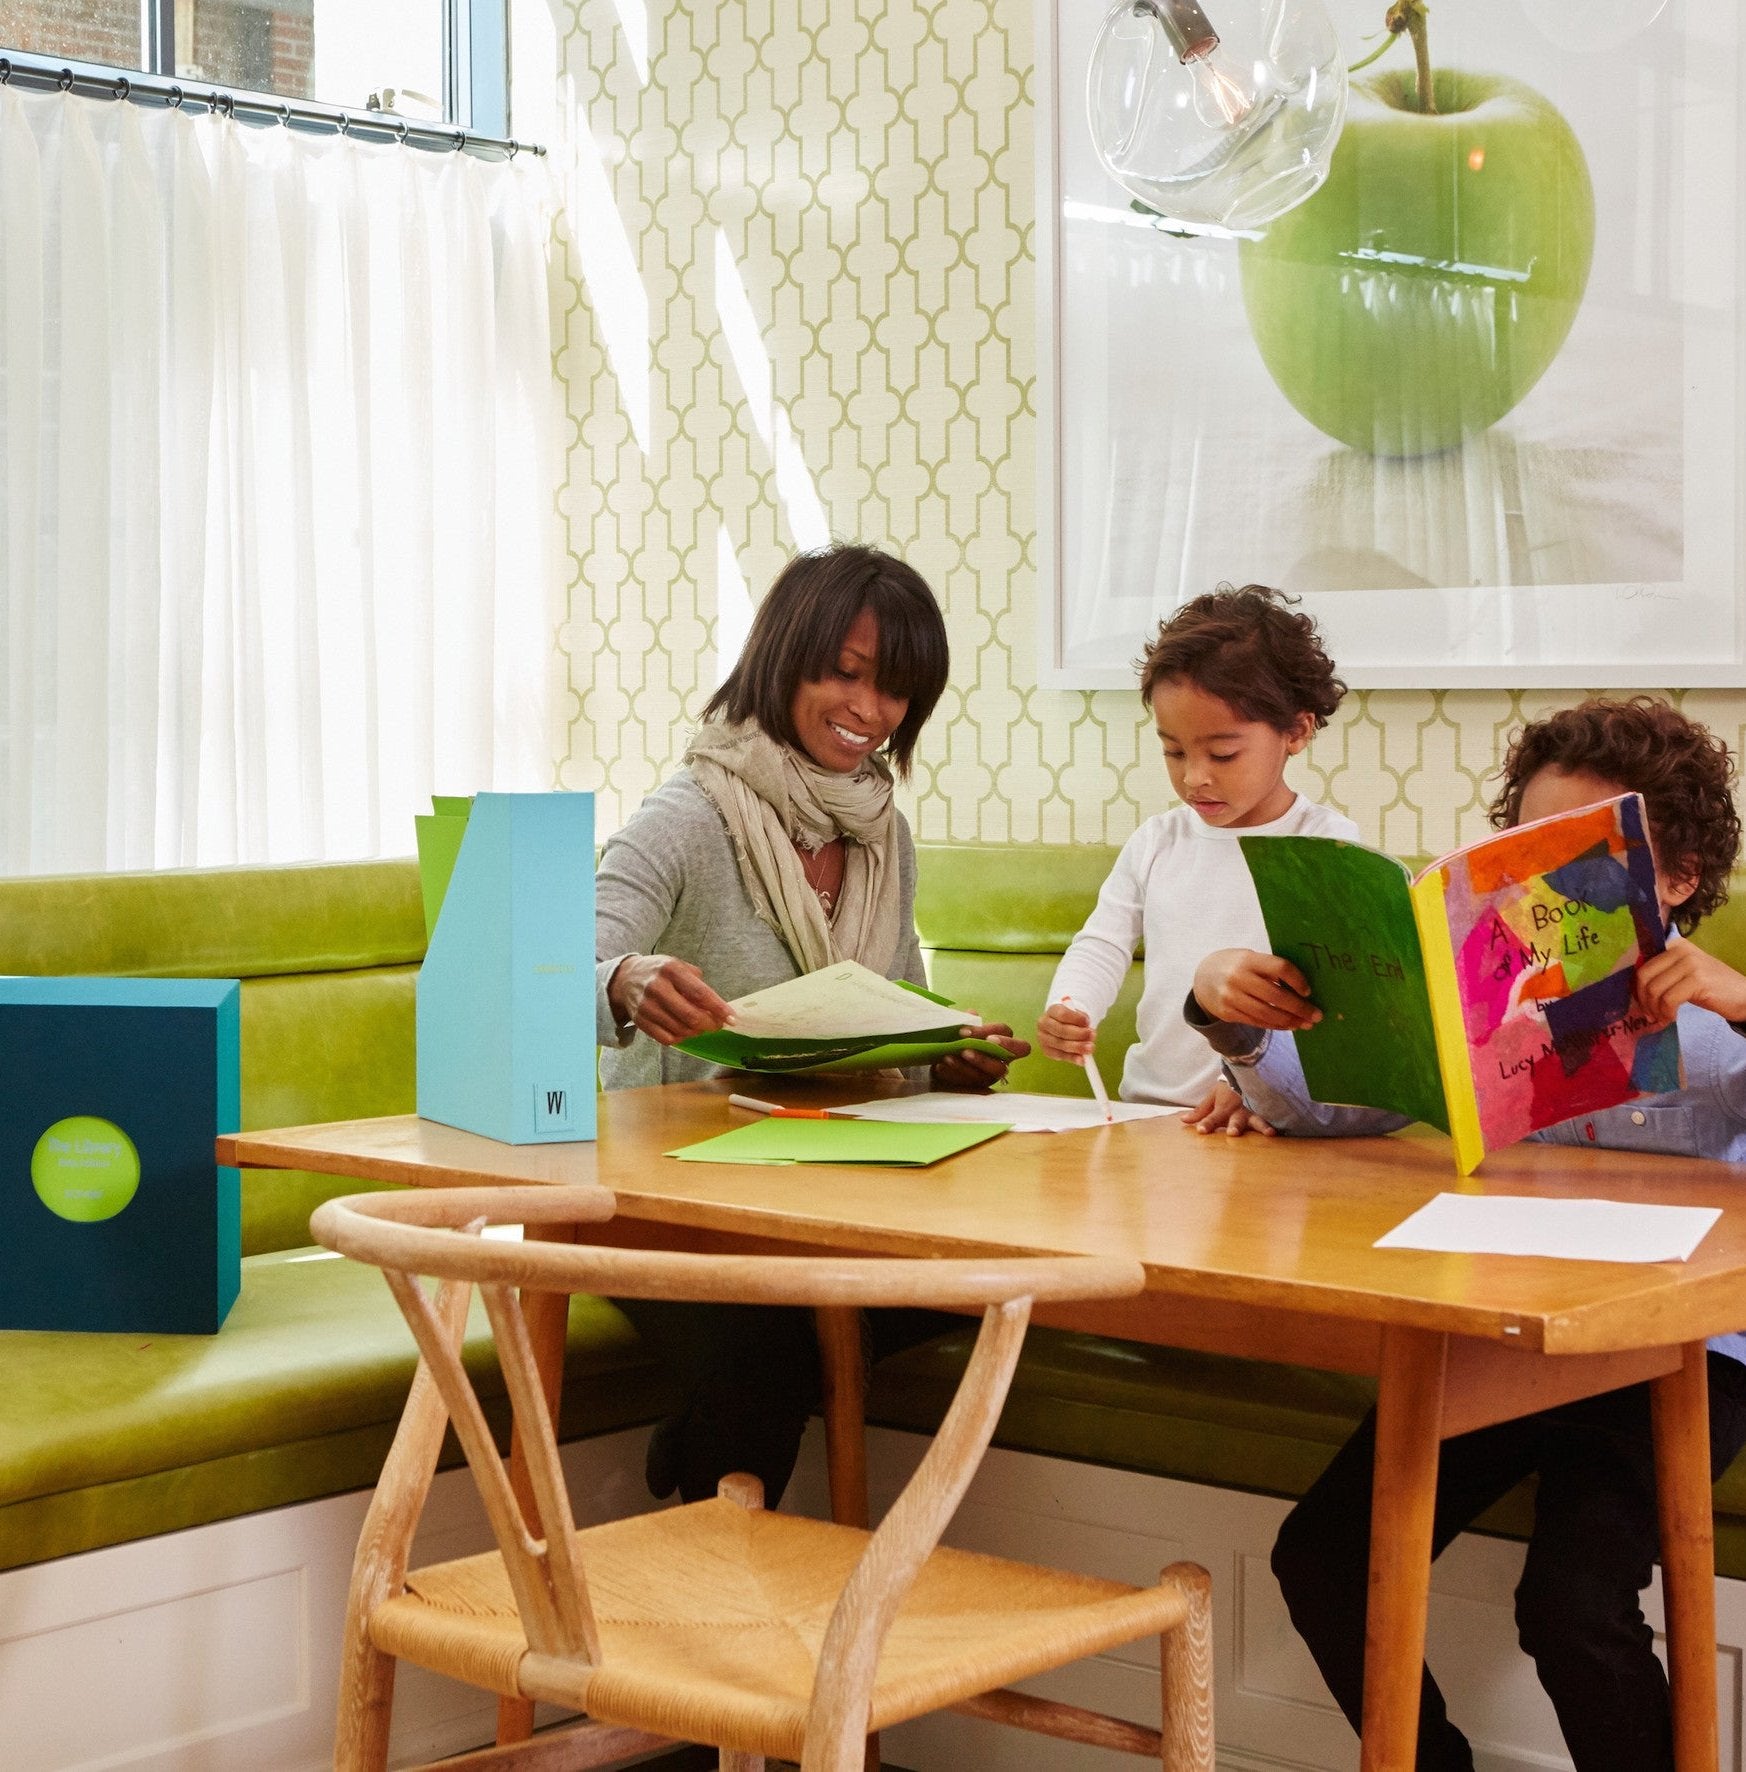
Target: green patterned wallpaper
{"type": "Point", "coordinates": [798, 299]}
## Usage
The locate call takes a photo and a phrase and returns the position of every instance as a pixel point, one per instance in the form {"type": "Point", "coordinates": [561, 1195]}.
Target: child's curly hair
{"type": "Point", "coordinates": [1246, 647]}
{"type": "Point", "coordinates": [1683, 771]}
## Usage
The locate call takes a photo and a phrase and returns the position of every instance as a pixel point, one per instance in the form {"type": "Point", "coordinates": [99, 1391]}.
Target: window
{"type": "Point", "coordinates": [438, 60]}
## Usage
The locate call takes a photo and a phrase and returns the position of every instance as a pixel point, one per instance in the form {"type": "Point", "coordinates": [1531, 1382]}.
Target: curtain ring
{"type": "Point", "coordinates": [402, 129]}
{"type": "Point", "coordinates": [174, 101]}
{"type": "Point", "coordinates": [460, 140]}
{"type": "Point", "coordinates": [225, 104]}
{"type": "Point", "coordinates": [514, 147]}
{"type": "Point", "coordinates": [284, 114]}
{"type": "Point", "coordinates": [343, 124]}
{"type": "Point", "coordinates": [123, 86]}
{"type": "Point", "coordinates": [5, 72]}
{"type": "Point", "coordinates": [66, 80]}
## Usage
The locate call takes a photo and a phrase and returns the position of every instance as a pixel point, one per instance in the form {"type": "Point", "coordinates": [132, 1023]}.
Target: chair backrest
{"type": "Point", "coordinates": [436, 1233]}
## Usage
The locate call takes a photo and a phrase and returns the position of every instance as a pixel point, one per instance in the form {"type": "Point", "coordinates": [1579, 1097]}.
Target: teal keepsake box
{"type": "Point", "coordinates": [114, 1214]}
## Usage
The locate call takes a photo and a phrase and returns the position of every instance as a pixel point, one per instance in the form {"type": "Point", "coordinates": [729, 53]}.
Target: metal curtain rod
{"type": "Point", "coordinates": [44, 74]}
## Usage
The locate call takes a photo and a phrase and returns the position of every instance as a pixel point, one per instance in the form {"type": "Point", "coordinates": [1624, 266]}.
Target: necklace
{"type": "Point", "coordinates": [822, 869]}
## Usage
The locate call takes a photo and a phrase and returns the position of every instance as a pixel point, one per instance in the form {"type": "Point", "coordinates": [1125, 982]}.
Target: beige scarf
{"type": "Point", "coordinates": [772, 797]}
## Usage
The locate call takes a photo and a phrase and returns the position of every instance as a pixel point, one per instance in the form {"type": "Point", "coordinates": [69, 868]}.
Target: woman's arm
{"type": "Point", "coordinates": [637, 890]}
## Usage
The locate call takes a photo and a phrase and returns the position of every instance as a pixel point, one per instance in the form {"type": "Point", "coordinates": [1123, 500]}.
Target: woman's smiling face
{"type": "Point", "coordinates": [844, 716]}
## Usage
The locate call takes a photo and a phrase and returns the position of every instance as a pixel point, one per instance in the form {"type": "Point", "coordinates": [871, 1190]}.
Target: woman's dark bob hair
{"type": "Point", "coordinates": [798, 633]}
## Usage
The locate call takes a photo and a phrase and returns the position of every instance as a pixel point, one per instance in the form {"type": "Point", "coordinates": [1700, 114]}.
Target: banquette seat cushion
{"type": "Point", "coordinates": [106, 1438]}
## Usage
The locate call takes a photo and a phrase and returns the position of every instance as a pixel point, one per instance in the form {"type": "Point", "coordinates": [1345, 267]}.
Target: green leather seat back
{"type": "Point", "coordinates": [327, 955]}
{"type": "Point", "coordinates": [993, 924]}
{"type": "Point", "coordinates": [105, 1438]}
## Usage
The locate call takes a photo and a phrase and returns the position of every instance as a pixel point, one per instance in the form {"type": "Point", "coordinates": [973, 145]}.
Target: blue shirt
{"type": "Point", "coordinates": [1706, 1117]}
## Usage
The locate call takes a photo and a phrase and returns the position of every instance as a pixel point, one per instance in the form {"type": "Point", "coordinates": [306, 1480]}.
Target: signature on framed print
{"type": "Point", "coordinates": [1477, 401]}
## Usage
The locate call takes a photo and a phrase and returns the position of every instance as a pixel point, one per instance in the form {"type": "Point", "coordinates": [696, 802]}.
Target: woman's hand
{"type": "Point", "coordinates": [1224, 1111]}
{"type": "Point", "coordinates": [1254, 990]}
{"type": "Point", "coordinates": [1066, 1033]}
{"type": "Point", "coordinates": [979, 1070]}
{"type": "Point", "coordinates": [666, 998]}
{"type": "Point", "coordinates": [1683, 973]}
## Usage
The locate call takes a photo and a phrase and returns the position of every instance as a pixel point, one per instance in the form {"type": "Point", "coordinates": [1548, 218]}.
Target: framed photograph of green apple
{"type": "Point", "coordinates": [1478, 399]}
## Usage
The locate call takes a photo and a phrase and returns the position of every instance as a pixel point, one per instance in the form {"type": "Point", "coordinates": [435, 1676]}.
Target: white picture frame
{"type": "Point", "coordinates": [1590, 538]}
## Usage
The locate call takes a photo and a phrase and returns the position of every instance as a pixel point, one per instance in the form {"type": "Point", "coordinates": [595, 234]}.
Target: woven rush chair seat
{"type": "Point", "coordinates": [716, 1612]}
{"type": "Point", "coordinates": [757, 1633]}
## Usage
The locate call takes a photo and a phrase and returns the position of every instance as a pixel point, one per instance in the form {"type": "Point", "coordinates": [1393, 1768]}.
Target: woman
{"type": "Point", "coordinates": [776, 850]}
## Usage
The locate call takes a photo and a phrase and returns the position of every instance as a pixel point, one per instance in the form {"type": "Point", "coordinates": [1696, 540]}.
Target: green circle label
{"type": "Point", "coordinates": [84, 1169]}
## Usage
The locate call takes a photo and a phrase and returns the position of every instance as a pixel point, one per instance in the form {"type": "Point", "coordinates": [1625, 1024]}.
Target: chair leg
{"type": "Point", "coordinates": [366, 1703]}
{"type": "Point", "coordinates": [1186, 1657]}
{"type": "Point", "coordinates": [730, 1761]}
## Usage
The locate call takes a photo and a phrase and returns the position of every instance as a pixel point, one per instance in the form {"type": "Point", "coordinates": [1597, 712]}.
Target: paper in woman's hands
{"type": "Point", "coordinates": [843, 1001]}
{"type": "Point", "coordinates": [842, 1017]}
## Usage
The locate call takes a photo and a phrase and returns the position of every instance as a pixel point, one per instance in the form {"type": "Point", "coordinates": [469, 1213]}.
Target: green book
{"type": "Point", "coordinates": [861, 1143]}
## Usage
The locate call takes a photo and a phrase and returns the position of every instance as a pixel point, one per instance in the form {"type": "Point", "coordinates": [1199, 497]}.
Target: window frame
{"type": "Point", "coordinates": [475, 61]}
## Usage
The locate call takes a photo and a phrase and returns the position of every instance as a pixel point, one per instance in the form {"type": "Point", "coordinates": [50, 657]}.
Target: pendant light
{"type": "Point", "coordinates": [1224, 124]}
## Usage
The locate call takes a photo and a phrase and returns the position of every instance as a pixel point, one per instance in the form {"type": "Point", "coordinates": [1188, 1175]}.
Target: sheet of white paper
{"type": "Point", "coordinates": [1581, 1230]}
{"type": "Point", "coordinates": [1023, 1113]}
{"type": "Point", "coordinates": [843, 1001]}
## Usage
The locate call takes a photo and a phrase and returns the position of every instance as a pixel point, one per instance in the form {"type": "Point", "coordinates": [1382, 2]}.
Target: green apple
{"type": "Point", "coordinates": [1424, 289]}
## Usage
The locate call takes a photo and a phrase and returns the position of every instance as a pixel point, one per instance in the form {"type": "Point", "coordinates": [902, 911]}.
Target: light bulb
{"type": "Point", "coordinates": [1222, 95]}
{"type": "Point", "coordinates": [1229, 125]}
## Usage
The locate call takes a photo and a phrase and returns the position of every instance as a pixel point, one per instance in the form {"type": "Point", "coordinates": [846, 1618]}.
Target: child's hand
{"type": "Point", "coordinates": [1066, 1033]}
{"type": "Point", "coordinates": [1684, 973]}
{"type": "Point", "coordinates": [1255, 990]}
{"type": "Point", "coordinates": [1224, 1111]}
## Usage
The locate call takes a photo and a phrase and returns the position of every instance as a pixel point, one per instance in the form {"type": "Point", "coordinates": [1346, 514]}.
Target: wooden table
{"type": "Point", "coordinates": [1252, 1246]}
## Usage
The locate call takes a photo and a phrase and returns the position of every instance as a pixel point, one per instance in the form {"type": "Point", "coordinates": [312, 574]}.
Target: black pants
{"type": "Point", "coordinates": [750, 1377]}
{"type": "Point", "coordinates": [1589, 1559]}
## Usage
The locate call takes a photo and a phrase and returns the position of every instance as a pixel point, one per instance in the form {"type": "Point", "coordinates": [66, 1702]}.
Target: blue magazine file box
{"type": "Point", "coordinates": [506, 992]}
{"type": "Point", "coordinates": [115, 1214]}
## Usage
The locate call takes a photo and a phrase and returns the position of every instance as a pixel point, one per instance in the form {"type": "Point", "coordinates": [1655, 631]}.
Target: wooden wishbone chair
{"type": "Point", "coordinates": [758, 1633]}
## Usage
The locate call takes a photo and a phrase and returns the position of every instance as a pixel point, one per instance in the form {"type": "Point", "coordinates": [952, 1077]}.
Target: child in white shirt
{"type": "Point", "coordinates": [1236, 683]}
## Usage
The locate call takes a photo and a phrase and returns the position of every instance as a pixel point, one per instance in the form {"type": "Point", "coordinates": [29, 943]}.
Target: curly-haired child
{"type": "Point", "coordinates": [1578, 1611]}
{"type": "Point", "coordinates": [1237, 682]}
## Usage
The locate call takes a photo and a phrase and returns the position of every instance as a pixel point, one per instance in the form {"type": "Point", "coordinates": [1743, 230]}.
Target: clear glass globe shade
{"type": "Point", "coordinates": [1595, 25]}
{"type": "Point", "coordinates": [1229, 126]}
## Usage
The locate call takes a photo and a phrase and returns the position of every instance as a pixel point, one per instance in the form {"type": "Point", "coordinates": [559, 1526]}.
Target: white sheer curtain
{"type": "Point", "coordinates": [278, 471]}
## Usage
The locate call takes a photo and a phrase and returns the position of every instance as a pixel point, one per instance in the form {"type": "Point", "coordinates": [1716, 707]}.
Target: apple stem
{"type": "Point", "coordinates": [1410, 16]}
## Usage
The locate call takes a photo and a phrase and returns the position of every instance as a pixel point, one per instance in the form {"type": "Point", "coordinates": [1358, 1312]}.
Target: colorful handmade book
{"type": "Point", "coordinates": [844, 1017]}
{"type": "Point", "coordinates": [1492, 994]}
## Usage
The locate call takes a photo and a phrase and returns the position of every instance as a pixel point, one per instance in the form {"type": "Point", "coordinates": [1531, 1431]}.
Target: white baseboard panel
{"type": "Point", "coordinates": [217, 1649]}
{"type": "Point", "coordinates": [1273, 1713]}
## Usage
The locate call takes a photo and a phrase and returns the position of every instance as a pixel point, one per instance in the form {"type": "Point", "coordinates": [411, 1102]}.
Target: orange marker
{"type": "Point", "coordinates": [775, 1111]}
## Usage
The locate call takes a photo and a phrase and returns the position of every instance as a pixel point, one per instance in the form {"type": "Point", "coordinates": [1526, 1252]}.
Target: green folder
{"type": "Point", "coordinates": [876, 1143]}
{"type": "Point", "coordinates": [870, 1052]}
{"type": "Point", "coordinates": [439, 844]}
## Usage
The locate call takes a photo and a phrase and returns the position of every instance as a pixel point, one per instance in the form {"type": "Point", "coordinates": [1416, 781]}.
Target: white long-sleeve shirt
{"type": "Point", "coordinates": [1182, 885]}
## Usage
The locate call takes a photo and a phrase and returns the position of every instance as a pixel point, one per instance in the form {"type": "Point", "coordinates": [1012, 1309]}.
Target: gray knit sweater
{"type": "Point", "coordinates": [668, 883]}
